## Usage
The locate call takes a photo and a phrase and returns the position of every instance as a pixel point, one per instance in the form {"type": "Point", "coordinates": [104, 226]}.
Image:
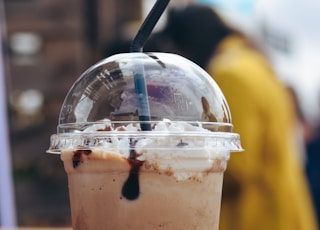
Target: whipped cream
{"type": "Point", "coordinates": [167, 148]}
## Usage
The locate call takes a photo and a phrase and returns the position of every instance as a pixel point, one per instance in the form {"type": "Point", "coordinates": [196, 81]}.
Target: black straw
{"type": "Point", "coordinates": [148, 25]}
{"type": "Point", "coordinates": [139, 78]}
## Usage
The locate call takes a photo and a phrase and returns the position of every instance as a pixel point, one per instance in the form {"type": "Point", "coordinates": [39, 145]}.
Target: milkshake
{"type": "Point", "coordinates": [123, 177]}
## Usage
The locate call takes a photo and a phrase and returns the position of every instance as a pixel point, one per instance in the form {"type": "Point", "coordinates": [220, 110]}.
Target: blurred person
{"type": "Point", "coordinates": [264, 187]}
{"type": "Point", "coordinates": [312, 168]}
{"type": "Point", "coordinates": [311, 140]}
{"type": "Point", "coordinates": [289, 34]}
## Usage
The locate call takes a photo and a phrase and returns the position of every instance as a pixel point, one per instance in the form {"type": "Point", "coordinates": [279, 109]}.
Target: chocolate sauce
{"type": "Point", "coordinates": [77, 157]}
{"type": "Point", "coordinates": [181, 144]}
{"type": "Point", "coordinates": [107, 128]}
{"type": "Point", "coordinates": [131, 188]}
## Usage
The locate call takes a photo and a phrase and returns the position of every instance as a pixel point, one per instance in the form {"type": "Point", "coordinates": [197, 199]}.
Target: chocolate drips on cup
{"type": "Point", "coordinates": [131, 188]}
{"type": "Point", "coordinates": [77, 157]}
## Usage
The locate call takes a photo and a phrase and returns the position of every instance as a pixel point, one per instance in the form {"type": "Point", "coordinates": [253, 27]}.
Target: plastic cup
{"type": "Point", "coordinates": [121, 177]}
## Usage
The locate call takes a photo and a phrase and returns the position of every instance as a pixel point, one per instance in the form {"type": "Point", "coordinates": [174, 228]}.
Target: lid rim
{"type": "Point", "coordinates": [98, 140]}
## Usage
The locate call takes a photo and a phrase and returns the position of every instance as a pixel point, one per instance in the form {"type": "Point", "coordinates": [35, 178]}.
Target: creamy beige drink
{"type": "Point", "coordinates": [110, 191]}
{"type": "Point", "coordinates": [164, 202]}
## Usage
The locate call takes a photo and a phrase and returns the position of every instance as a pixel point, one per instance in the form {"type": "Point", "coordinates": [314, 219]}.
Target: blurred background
{"type": "Point", "coordinates": [48, 44]}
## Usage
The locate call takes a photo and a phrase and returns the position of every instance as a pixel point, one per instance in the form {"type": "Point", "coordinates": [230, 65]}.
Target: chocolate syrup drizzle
{"type": "Point", "coordinates": [131, 188]}
{"type": "Point", "coordinates": [77, 157]}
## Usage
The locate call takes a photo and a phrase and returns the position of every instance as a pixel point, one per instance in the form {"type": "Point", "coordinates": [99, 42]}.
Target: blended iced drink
{"type": "Point", "coordinates": [123, 177]}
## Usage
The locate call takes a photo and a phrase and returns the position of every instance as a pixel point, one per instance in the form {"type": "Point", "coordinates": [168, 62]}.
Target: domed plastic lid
{"type": "Point", "coordinates": [176, 88]}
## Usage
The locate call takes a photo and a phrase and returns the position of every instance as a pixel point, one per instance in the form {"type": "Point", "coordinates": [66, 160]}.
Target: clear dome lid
{"type": "Point", "coordinates": [177, 89]}
{"type": "Point", "coordinates": [105, 97]}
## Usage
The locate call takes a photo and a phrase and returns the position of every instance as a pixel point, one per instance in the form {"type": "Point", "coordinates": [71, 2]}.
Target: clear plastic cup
{"type": "Point", "coordinates": [122, 176]}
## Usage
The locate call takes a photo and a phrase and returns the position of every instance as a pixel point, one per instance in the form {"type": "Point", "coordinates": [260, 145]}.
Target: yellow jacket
{"type": "Point", "coordinates": [265, 186]}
